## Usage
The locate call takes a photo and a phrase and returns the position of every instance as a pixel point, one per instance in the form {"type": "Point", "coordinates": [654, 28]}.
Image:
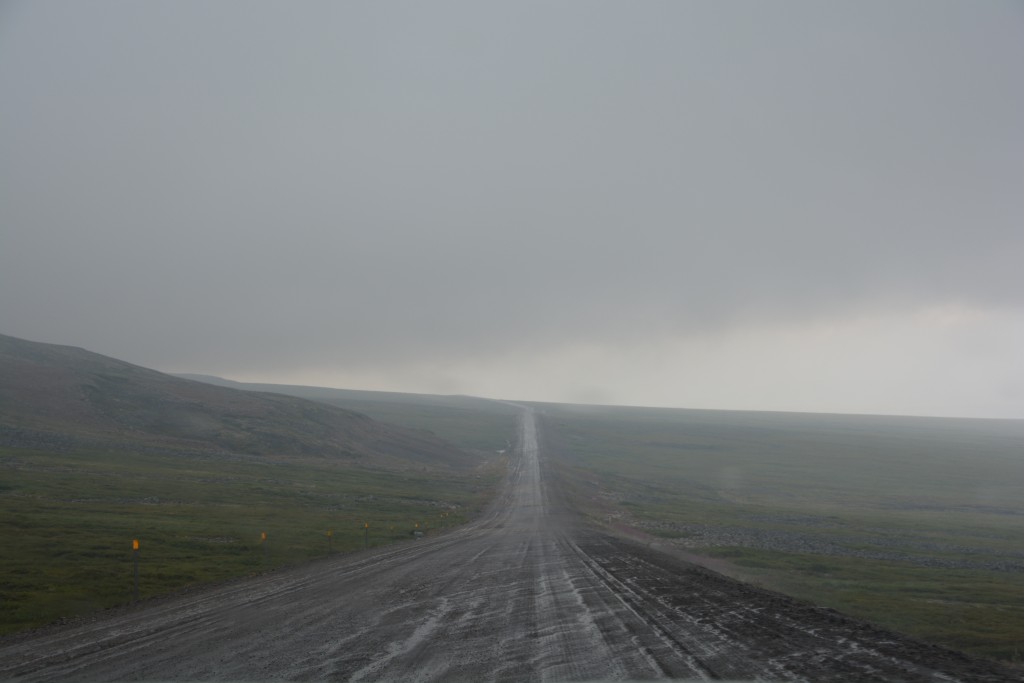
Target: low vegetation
{"type": "Point", "coordinates": [95, 452]}
{"type": "Point", "coordinates": [914, 524]}
{"type": "Point", "coordinates": [68, 520]}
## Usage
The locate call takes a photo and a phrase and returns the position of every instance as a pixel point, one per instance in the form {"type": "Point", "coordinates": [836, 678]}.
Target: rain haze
{"type": "Point", "coordinates": [773, 206]}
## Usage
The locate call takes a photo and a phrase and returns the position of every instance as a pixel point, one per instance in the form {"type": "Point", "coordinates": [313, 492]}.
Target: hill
{"type": "Point", "coordinates": [59, 397]}
{"type": "Point", "coordinates": [215, 482]}
{"type": "Point", "coordinates": [475, 424]}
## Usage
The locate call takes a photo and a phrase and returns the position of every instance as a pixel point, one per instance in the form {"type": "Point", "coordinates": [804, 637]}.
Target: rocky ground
{"type": "Point", "coordinates": [909, 550]}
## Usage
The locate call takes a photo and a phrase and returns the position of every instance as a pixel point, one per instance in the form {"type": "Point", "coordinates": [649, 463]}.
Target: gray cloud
{"type": "Point", "coordinates": [256, 188]}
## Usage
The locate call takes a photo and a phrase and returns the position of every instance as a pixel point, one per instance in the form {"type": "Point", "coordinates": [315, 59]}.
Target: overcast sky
{"type": "Point", "coordinates": [813, 206]}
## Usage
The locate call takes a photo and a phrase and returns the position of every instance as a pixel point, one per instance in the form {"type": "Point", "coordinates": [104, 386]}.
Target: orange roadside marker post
{"type": "Point", "coordinates": [135, 569]}
{"type": "Point", "coordinates": [263, 542]}
{"type": "Point", "coordinates": [366, 535]}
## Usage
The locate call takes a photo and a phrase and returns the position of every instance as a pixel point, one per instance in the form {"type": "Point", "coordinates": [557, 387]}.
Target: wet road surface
{"type": "Point", "coordinates": [524, 593]}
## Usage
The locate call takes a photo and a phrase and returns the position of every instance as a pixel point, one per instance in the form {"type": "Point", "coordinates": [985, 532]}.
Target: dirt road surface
{"type": "Point", "coordinates": [526, 593]}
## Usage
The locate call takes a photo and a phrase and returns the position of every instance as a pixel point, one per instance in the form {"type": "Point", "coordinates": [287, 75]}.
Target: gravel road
{"type": "Point", "coordinates": [524, 593]}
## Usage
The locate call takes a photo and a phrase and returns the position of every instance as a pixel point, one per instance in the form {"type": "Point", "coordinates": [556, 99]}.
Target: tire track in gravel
{"type": "Point", "coordinates": [526, 592]}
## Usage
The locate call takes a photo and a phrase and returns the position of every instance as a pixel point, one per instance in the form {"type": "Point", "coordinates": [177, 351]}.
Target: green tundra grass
{"type": "Point", "coordinates": [68, 517]}
{"type": "Point", "coordinates": [915, 524]}
{"type": "Point", "coordinates": [68, 521]}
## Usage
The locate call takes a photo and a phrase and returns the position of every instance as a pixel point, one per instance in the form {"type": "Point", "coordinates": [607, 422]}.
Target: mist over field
{"type": "Point", "coordinates": [772, 207]}
{"type": "Point", "coordinates": [398, 534]}
{"type": "Point", "coordinates": [588, 340]}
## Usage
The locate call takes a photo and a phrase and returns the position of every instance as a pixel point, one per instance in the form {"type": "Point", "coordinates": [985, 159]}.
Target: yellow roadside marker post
{"type": "Point", "coordinates": [135, 568]}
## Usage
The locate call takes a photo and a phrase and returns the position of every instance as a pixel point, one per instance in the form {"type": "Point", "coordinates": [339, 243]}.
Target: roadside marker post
{"type": "Point", "coordinates": [366, 535]}
{"type": "Point", "coordinates": [330, 534]}
{"type": "Point", "coordinates": [135, 569]}
{"type": "Point", "coordinates": [263, 542]}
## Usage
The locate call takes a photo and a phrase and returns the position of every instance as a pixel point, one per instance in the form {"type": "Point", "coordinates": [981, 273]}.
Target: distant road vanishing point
{"type": "Point", "coordinates": [527, 592]}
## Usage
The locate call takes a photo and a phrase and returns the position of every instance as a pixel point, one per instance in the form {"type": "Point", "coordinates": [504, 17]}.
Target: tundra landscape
{"type": "Point", "coordinates": [585, 543]}
{"type": "Point", "coordinates": [511, 341]}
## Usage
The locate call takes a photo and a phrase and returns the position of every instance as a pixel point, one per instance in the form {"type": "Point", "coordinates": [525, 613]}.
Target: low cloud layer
{"type": "Point", "coordinates": [797, 207]}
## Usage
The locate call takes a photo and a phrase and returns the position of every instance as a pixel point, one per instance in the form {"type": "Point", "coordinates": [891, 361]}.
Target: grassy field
{"type": "Point", "coordinates": [95, 452]}
{"type": "Point", "coordinates": [915, 524]}
{"type": "Point", "coordinates": [68, 520]}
